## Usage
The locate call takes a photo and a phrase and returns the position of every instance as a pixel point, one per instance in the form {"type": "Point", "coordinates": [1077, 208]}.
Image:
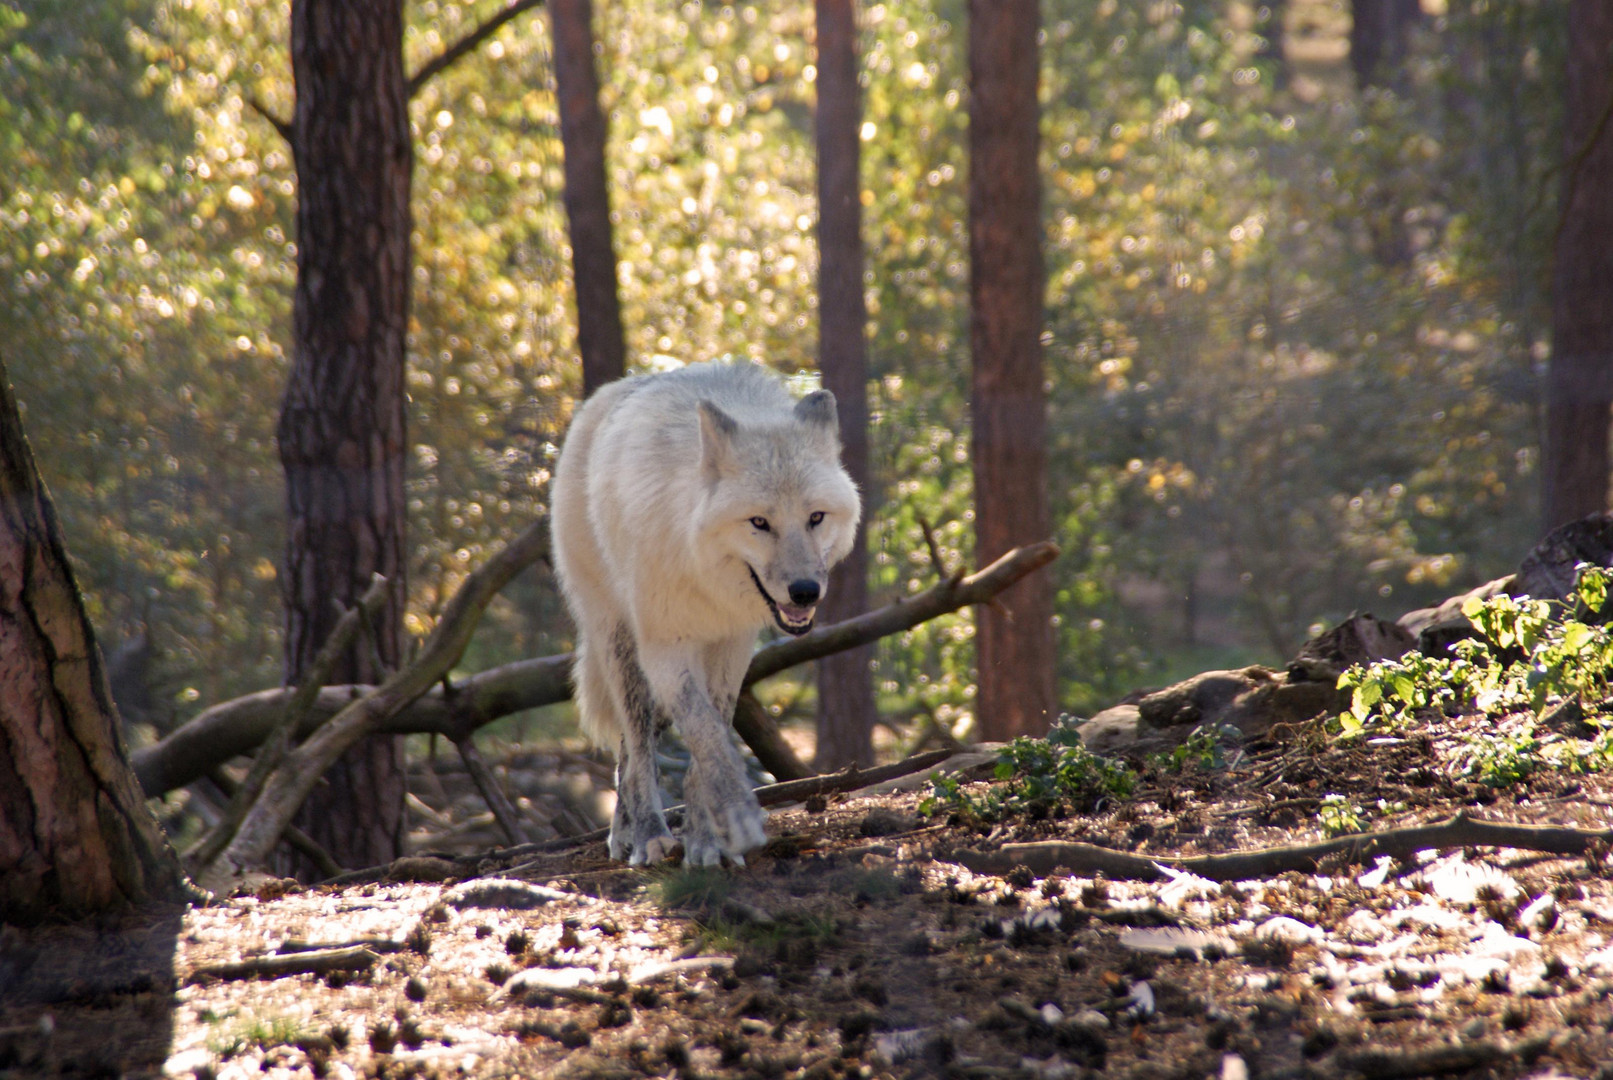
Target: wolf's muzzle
{"type": "Point", "coordinates": [793, 619]}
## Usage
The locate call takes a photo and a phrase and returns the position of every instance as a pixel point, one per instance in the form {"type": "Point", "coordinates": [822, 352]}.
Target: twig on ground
{"type": "Point", "coordinates": [357, 958]}
{"type": "Point", "coordinates": [1456, 831]}
{"type": "Point", "coordinates": [1378, 1064]}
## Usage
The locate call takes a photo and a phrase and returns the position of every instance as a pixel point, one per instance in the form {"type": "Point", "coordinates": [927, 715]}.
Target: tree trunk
{"type": "Point", "coordinates": [76, 836]}
{"type": "Point", "coordinates": [1013, 641]}
{"type": "Point", "coordinates": [846, 710]}
{"type": "Point", "coordinates": [1579, 390]}
{"type": "Point", "coordinates": [1378, 37]}
{"type": "Point", "coordinates": [582, 138]}
{"type": "Point", "coordinates": [341, 429]}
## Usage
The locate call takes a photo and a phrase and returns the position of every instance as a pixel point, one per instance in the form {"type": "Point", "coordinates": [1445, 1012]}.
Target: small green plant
{"type": "Point", "coordinates": [1205, 747]}
{"type": "Point", "coordinates": [1506, 757]}
{"type": "Point", "coordinates": [1034, 775]}
{"type": "Point", "coordinates": [1339, 816]}
{"type": "Point", "coordinates": [697, 888]}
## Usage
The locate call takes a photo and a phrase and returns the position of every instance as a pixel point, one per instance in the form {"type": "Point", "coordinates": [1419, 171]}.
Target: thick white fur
{"type": "Point", "coordinates": [657, 496]}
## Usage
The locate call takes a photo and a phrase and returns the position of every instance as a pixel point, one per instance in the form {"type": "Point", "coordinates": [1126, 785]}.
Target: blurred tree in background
{"type": "Point", "coordinates": [847, 711]}
{"type": "Point", "coordinates": [1294, 337]}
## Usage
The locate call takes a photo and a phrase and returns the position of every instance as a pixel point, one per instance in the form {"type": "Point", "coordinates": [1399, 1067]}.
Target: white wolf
{"type": "Point", "coordinates": [689, 508]}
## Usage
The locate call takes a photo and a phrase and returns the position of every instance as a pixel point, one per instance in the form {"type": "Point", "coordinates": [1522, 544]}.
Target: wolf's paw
{"type": "Point", "coordinates": [640, 839]}
{"type": "Point", "coordinates": [654, 850]}
{"type": "Point", "coordinates": [722, 826]}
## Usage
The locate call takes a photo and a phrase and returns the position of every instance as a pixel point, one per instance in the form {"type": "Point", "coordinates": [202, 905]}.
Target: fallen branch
{"type": "Point", "coordinates": [768, 795]}
{"type": "Point", "coordinates": [275, 748]}
{"type": "Point", "coordinates": [1456, 831]}
{"type": "Point", "coordinates": [237, 726]}
{"type": "Point", "coordinates": [848, 779]}
{"type": "Point", "coordinates": [762, 735]}
{"type": "Point", "coordinates": [288, 788]}
{"type": "Point", "coordinates": [509, 822]}
{"type": "Point", "coordinates": [294, 837]}
{"type": "Point", "coordinates": [356, 958]}
{"type": "Point", "coordinates": [1378, 1064]}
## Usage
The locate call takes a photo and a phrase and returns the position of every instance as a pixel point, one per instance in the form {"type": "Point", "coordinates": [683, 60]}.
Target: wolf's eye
{"type": "Point", "coordinates": [815, 520]}
{"type": "Point", "coordinates": [761, 524]}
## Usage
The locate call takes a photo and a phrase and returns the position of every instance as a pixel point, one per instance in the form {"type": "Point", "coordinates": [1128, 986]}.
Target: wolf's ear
{"type": "Point", "coordinates": [817, 410]}
{"type": "Point", "coordinates": [717, 431]}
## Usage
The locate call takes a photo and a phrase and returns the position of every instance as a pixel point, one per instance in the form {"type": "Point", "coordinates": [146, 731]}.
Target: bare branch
{"type": "Point", "coordinates": [288, 787]}
{"type": "Point", "coordinates": [935, 548]}
{"type": "Point", "coordinates": [939, 599]}
{"type": "Point", "coordinates": [469, 42]}
{"type": "Point", "coordinates": [278, 744]}
{"type": "Point", "coordinates": [295, 838]}
{"type": "Point", "coordinates": [282, 126]}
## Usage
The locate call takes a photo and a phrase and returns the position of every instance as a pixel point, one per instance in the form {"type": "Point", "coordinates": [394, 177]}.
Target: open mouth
{"type": "Point", "coordinates": [791, 618]}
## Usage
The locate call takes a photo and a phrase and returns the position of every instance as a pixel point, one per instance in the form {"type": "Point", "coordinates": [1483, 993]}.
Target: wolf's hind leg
{"type": "Point", "coordinates": [638, 831]}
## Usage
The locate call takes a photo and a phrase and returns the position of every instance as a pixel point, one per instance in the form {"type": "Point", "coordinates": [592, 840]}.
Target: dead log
{"type": "Point", "coordinates": [238, 726]}
{"type": "Point", "coordinates": [1457, 831]}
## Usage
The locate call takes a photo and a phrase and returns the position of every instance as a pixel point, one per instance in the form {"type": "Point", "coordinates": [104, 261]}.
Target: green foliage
{"type": "Point", "coordinates": [1339, 816]}
{"type": "Point", "coordinates": [1532, 653]}
{"type": "Point", "coordinates": [1036, 776]}
{"type": "Point", "coordinates": [1205, 748]}
{"type": "Point", "coordinates": [1532, 656]}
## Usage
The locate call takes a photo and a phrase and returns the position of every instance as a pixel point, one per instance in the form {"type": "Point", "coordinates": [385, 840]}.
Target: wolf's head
{"type": "Point", "coordinates": [779, 502]}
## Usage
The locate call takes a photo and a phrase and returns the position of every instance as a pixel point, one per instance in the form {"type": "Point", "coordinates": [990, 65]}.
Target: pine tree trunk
{"type": "Point", "coordinates": [342, 438]}
{"type": "Point", "coordinates": [1579, 383]}
{"type": "Point", "coordinates": [587, 195]}
{"type": "Point", "coordinates": [76, 836]}
{"type": "Point", "coordinates": [1014, 642]}
{"type": "Point", "coordinates": [846, 709]}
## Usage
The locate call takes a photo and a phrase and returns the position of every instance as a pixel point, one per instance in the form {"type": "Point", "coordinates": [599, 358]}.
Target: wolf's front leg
{"type": "Point", "coordinates": [723, 816]}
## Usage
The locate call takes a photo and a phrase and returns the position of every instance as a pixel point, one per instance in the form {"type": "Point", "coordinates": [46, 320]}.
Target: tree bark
{"type": "Point", "coordinates": [1014, 640]}
{"type": "Point", "coordinates": [1378, 38]}
{"type": "Point", "coordinates": [846, 709]}
{"type": "Point", "coordinates": [341, 432]}
{"type": "Point", "coordinates": [76, 836]}
{"type": "Point", "coordinates": [587, 196]}
{"type": "Point", "coordinates": [1579, 383]}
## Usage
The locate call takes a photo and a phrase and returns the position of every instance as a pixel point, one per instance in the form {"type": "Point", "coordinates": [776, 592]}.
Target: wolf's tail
{"type": "Point", "coordinates": [596, 707]}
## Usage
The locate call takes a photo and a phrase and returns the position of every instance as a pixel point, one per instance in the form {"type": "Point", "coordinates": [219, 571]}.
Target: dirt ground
{"type": "Point", "coordinates": [855, 945]}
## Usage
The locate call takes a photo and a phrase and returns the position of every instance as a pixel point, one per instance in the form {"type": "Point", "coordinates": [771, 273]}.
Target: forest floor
{"type": "Point", "coordinates": [857, 944]}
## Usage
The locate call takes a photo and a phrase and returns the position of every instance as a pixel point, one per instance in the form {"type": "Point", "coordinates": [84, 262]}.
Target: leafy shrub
{"type": "Point", "coordinates": [1531, 656]}
{"type": "Point", "coordinates": [1035, 776]}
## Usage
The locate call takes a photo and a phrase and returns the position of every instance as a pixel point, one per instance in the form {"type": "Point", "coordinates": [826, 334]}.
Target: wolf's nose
{"type": "Point", "coordinates": [804, 592]}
